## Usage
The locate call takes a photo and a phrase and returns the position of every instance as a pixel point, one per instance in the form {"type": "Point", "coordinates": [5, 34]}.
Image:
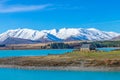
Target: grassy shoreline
{"type": "Point", "coordinates": [76, 60]}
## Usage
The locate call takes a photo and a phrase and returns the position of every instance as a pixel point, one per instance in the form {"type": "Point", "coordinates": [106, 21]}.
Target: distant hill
{"type": "Point", "coordinates": [17, 41]}
{"type": "Point", "coordinates": [116, 38]}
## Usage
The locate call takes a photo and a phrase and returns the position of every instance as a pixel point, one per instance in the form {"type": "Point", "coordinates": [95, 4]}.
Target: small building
{"type": "Point", "coordinates": [87, 47]}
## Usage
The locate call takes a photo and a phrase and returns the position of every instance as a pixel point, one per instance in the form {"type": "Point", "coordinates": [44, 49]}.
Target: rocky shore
{"type": "Point", "coordinates": [67, 68]}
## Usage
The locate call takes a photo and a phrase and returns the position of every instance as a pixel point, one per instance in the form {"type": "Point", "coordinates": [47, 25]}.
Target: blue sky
{"type": "Point", "coordinates": [49, 14]}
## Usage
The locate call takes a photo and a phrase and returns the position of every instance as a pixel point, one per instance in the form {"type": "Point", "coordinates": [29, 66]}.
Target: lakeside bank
{"type": "Point", "coordinates": [76, 60]}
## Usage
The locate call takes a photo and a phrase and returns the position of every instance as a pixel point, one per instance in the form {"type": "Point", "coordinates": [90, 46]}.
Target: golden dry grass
{"type": "Point", "coordinates": [95, 55]}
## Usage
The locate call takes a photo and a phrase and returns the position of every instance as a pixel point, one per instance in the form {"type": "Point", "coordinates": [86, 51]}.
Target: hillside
{"type": "Point", "coordinates": [11, 40]}
{"type": "Point", "coordinates": [116, 38]}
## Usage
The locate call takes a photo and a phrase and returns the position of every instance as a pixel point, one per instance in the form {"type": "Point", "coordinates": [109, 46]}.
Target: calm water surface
{"type": "Point", "coordinates": [11, 53]}
{"type": "Point", "coordinates": [107, 49]}
{"type": "Point", "coordinates": [17, 74]}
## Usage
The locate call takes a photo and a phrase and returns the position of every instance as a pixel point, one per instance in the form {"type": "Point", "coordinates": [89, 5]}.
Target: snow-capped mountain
{"type": "Point", "coordinates": [28, 34]}
{"type": "Point", "coordinates": [64, 34]}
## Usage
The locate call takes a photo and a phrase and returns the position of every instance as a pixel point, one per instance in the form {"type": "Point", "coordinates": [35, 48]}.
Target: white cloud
{"type": "Point", "coordinates": [4, 8]}
{"type": "Point", "coordinates": [22, 8]}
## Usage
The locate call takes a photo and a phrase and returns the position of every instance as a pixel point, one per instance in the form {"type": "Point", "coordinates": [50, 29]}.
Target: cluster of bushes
{"type": "Point", "coordinates": [100, 44]}
{"type": "Point", "coordinates": [2, 45]}
{"type": "Point", "coordinates": [59, 46]}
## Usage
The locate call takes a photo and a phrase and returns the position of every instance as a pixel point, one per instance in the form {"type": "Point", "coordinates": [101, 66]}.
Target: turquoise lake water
{"type": "Point", "coordinates": [106, 49]}
{"type": "Point", "coordinates": [19, 74]}
{"type": "Point", "coordinates": [11, 53]}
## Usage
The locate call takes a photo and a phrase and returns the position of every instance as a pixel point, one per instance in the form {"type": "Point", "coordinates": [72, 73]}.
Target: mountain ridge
{"type": "Point", "coordinates": [54, 35]}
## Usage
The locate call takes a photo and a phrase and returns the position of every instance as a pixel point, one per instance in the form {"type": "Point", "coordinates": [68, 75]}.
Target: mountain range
{"type": "Point", "coordinates": [26, 36]}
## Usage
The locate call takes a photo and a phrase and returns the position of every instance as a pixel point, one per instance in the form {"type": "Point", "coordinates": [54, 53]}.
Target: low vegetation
{"type": "Point", "coordinates": [75, 58]}
{"type": "Point", "coordinates": [100, 55]}
{"type": "Point", "coordinates": [60, 46]}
